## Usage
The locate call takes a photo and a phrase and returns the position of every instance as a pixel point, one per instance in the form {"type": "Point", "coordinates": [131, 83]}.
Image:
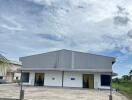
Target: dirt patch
{"type": "Point", "coordinates": [48, 93]}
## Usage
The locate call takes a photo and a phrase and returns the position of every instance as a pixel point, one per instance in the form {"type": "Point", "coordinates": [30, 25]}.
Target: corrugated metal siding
{"type": "Point", "coordinates": [63, 59]}
{"type": "Point", "coordinates": [45, 60]}
{"type": "Point", "coordinates": [90, 61]}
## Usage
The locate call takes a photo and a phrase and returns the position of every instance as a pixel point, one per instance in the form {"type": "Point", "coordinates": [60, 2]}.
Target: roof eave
{"type": "Point", "coordinates": [77, 70]}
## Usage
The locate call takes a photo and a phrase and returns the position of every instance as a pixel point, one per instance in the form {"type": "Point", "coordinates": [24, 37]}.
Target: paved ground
{"type": "Point", "coordinates": [51, 93]}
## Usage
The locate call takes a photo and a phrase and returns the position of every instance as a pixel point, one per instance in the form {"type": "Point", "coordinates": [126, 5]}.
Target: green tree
{"type": "Point", "coordinates": [125, 77]}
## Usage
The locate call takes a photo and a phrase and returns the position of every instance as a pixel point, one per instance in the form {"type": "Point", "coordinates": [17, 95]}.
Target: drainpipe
{"type": "Point", "coordinates": [110, 96]}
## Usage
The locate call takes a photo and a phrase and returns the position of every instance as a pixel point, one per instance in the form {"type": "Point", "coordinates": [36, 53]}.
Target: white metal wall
{"type": "Point", "coordinates": [54, 78]}
{"type": "Point", "coordinates": [72, 83]}
{"type": "Point", "coordinates": [51, 78]}
{"type": "Point", "coordinates": [96, 80]}
{"type": "Point", "coordinates": [32, 78]}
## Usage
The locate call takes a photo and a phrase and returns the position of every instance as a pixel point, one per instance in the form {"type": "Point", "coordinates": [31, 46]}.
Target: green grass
{"type": "Point", "coordinates": [125, 87]}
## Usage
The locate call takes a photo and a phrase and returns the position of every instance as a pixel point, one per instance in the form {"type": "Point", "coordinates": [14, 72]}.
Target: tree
{"type": "Point", "coordinates": [125, 77]}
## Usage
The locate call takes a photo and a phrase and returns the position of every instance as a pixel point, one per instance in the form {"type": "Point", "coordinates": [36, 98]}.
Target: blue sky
{"type": "Point", "coordinates": [95, 26]}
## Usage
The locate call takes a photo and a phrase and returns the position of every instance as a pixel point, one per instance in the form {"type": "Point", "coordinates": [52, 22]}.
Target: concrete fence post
{"type": "Point", "coordinates": [21, 94]}
{"type": "Point", "coordinates": [110, 96]}
{"type": "Point", "coordinates": [21, 90]}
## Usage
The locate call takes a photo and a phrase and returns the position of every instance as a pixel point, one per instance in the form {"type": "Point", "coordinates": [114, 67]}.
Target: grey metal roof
{"type": "Point", "coordinates": [67, 60]}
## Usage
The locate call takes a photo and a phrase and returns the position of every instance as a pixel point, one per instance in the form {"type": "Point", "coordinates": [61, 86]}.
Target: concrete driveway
{"type": "Point", "coordinates": [54, 93]}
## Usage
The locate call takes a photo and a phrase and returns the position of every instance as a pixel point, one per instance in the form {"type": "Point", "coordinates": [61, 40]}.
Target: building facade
{"type": "Point", "coordinates": [3, 68]}
{"type": "Point", "coordinates": [66, 68]}
{"type": "Point", "coordinates": [8, 70]}
{"type": "Point", "coordinates": [12, 73]}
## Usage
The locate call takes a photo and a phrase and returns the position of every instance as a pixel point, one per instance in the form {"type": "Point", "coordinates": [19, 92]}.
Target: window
{"type": "Point", "coordinates": [1, 77]}
{"type": "Point", "coordinates": [72, 78]}
{"type": "Point", "coordinates": [105, 80]}
{"type": "Point", "coordinates": [25, 77]}
{"type": "Point", "coordinates": [16, 78]}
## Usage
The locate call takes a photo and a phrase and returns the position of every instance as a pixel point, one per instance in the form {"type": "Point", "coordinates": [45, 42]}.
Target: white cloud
{"type": "Point", "coordinates": [9, 23]}
{"type": "Point", "coordinates": [85, 25]}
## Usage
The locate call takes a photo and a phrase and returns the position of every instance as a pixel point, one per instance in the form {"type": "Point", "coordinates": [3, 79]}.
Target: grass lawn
{"type": "Point", "coordinates": [125, 87]}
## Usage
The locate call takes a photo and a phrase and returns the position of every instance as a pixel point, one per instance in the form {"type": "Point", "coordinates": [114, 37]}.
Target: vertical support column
{"type": "Point", "coordinates": [72, 63]}
{"type": "Point", "coordinates": [62, 78]}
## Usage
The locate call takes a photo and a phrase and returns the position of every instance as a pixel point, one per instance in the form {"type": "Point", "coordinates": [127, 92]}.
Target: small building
{"type": "Point", "coordinates": [3, 68]}
{"type": "Point", "coordinates": [66, 68]}
{"type": "Point", "coordinates": [13, 72]}
{"type": "Point", "coordinates": [130, 74]}
{"type": "Point", "coordinates": [8, 70]}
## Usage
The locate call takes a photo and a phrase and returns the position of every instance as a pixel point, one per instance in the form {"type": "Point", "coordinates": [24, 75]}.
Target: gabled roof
{"type": "Point", "coordinates": [67, 60]}
{"type": "Point", "coordinates": [67, 50]}
{"type": "Point", "coordinates": [5, 60]}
